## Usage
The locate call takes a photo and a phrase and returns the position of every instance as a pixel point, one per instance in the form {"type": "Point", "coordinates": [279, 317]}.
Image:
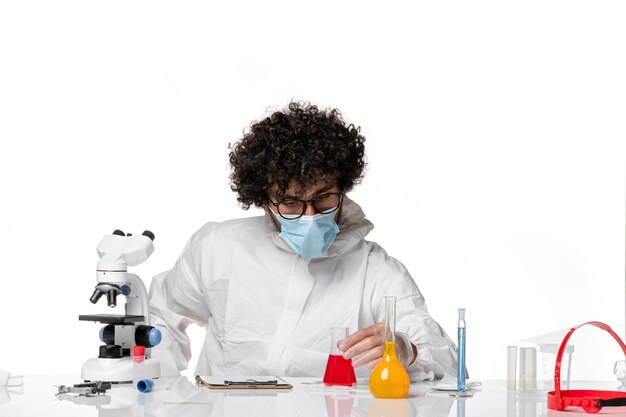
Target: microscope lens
{"type": "Point", "coordinates": [95, 296]}
{"type": "Point", "coordinates": [112, 298]}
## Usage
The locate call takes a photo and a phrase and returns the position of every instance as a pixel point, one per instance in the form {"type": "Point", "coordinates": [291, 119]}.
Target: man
{"type": "Point", "coordinates": [269, 288]}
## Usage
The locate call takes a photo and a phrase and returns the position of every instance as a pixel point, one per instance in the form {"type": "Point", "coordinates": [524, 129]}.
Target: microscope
{"type": "Point", "coordinates": [122, 332]}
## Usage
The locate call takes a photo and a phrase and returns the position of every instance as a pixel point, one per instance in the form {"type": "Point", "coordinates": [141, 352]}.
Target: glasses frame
{"type": "Point", "coordinates": [305, 204]}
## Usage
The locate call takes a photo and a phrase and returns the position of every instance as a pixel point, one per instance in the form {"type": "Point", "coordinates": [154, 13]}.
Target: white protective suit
{"type": "Point", "coordinates": [268, 311]}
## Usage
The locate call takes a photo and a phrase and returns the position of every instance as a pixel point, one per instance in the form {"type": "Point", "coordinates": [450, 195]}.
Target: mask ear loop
{"type": "Point", "coordinates": [555, 399]}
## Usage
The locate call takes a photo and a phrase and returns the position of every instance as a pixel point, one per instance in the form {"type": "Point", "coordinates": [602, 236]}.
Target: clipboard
{"type": "Point", "coordinates": [242, 382]}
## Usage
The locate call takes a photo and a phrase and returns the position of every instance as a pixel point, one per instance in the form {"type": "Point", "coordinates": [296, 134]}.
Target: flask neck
{"type": "Point", "coordinates": [390, 349]}
{"type": "Point", "coordinates": [390, 320]}
{"type": "Point", "coordinates": [337, 334]}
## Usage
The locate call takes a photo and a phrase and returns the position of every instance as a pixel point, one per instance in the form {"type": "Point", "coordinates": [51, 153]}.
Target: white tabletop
{"type": "Point", "coordinates": [180, 397]}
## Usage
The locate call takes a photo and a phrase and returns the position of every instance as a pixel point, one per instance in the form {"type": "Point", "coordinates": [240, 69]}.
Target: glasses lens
{"type": "Point", "coordinates": [327, 203]}
{"type": "Point", "coordinates": [291, 209]}
{"type": "Point", "coordinates": [324, 203]}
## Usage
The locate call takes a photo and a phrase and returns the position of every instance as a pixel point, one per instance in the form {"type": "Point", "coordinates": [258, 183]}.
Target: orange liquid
{"type": "Point", "coordinates": [389, 379]}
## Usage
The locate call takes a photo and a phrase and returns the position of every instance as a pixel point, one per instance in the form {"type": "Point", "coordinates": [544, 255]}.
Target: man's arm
{"type": "Point", "coordinates": [435, 351]}
{"type": "Point", "coordinates": [176, 300]}
{"type": "Point", "coordinates": [421, 344]}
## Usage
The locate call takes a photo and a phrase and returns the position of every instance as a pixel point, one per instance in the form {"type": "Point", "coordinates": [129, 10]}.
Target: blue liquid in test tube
{"type": "Point", "coordinates": [460, 372]}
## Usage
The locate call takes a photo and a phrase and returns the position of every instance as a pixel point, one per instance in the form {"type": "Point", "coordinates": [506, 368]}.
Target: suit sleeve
{"type": "Point", "coordinates": [177, 300]}
{"type": "Point", "coordinates": [436, 353]}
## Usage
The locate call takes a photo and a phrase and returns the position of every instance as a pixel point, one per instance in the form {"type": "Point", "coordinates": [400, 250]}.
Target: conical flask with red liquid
{"type": "Point", "coordinates": [339, 371]}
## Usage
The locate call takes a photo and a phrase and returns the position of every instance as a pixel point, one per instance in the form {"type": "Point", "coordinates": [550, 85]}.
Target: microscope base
{"type": "Point", "coordinates": [117, 370]}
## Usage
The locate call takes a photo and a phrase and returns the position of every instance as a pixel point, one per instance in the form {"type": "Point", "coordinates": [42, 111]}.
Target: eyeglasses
{"type": "Point", "coordinates": [293, 208]}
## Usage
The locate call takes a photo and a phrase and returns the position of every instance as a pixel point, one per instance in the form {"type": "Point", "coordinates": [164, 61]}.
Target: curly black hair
{"type": "Point", "coordinates": [300, 146]}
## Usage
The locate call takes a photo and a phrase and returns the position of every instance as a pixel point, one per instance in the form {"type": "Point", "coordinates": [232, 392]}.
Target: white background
{"type": "Point", "coordinates": [495, 139]}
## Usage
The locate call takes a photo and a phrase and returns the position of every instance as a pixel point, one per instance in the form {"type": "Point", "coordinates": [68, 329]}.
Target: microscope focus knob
{"type": "Point", "coordinates": [147, 336]}
{"type": "Point", "coordinates": [149, 234]}
{"type": "Point", "coordinates": [107, 334]}
{"type": "Point", "coordinates": [154, 337]}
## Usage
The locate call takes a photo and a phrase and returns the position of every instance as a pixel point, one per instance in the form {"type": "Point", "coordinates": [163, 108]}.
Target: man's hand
{"type": "Point", "coordinates": [366, 343]}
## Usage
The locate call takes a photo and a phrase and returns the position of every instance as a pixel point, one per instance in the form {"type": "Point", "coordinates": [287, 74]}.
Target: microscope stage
{"type": "Point", "coordinates": [111, 318]}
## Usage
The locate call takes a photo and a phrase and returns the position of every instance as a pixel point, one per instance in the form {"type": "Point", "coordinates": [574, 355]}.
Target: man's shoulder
{"type": "Point", "coordinates": [380, 261]}
{"type": "Point", "coordinates": [229, 228]}
{"type": "Point", "coordinates": [232, 225]}
{"type": "Point", "coordinates": [385, 271]}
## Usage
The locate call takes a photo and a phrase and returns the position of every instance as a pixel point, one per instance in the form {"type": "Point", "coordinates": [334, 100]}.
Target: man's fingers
{"type": "Point", "coordinates": [372, 355]}
{"type": "Point", "coordinates": [356, 337]}
{"type": "Point", "coordinates": [363, 346]}
{"type": "Point", "coordinates": [359, 335]}
{"type": "Point", "coordinates": [373, 364]}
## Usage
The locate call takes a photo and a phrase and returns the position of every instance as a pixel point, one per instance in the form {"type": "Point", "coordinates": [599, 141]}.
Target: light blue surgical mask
{"type": "Point", "coordinates": [309, 236]}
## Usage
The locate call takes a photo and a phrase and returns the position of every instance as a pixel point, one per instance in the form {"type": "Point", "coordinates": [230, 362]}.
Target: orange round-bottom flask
{"type": "Point", "coordinates": [389, 379]}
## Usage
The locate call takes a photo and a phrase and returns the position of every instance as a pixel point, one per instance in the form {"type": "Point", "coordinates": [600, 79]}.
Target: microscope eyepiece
{"type": "Point", "coordinates": [149, 234]}
{"type": "Point", "coordinates": [96, 296]}
{"type": "Point", "coordinates": [118, 232]}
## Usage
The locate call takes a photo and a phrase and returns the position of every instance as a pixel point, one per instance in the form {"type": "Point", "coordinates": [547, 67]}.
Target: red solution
{"type": "Point", "coordinates": [339, 371]}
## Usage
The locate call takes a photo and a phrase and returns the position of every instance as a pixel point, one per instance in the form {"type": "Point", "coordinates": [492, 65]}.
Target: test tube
{"type": "Point", "coordinates": [460, 374]}
{"type": "Point", "coordinates": [528, 368]}
{"type": "Point", "coordinates": [511, 367]}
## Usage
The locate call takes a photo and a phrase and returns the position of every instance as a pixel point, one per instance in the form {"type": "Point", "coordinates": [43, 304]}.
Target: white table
{"type": "Point", "coordinates": [180, 397]}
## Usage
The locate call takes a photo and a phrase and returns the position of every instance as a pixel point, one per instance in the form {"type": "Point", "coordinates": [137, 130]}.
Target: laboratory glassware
{"type": "Point", "coordinates": [530, 365]}
{"type": "Point", "coordinates": [460, 370]}
{"type": "Point", "coordinates": [528, 368]}
{"type": "Point", "coordinates": [339, 371]}
{"type": "Point", "coordinates": [511, 367]}
{"type": "Point", "coordinates": [389, 379]}
{"type": "Point", "coordinates": [545, 372]}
